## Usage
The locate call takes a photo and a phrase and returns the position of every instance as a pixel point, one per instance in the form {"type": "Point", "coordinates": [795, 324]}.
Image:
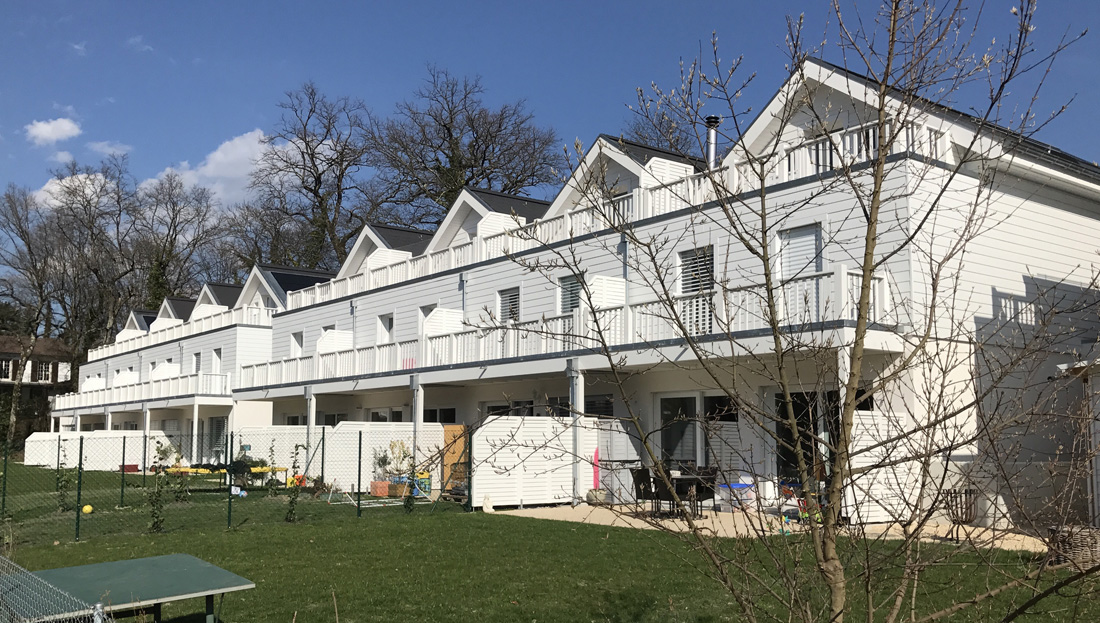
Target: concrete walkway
{"type": "Point", "coordinates": [752, 523]}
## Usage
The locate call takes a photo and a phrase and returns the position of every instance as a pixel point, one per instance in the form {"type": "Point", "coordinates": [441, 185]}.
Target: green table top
{"type": "Point", "coordinates": [129, 584]}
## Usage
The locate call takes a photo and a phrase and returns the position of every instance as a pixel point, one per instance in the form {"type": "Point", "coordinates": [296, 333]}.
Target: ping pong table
{"type": "Point", "coordinates": [130, 586]}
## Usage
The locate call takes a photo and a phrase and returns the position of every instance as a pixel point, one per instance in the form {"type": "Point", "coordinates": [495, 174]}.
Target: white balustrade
{"type": "Point", "coordinates": [258, 316]}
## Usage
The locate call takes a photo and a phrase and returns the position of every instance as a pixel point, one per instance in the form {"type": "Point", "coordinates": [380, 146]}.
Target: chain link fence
{"type": "Point", "coordinates": [73, 486]}
{"type": "Point", "coordinates": [26, 598]}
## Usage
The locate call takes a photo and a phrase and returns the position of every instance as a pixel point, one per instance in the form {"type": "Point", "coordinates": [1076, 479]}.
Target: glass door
{"type": "Point", "coordinates": [678, 424]}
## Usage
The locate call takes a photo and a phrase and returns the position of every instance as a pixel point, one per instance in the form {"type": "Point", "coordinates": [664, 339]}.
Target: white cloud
{"type": "Point", "coordinates": [62, 157]}
{"type": "Point", "coordinates": [81, 48]}
{"type": "Point", "coordinates": [225, 170]}
{"type": "Point", "coordinates": [52, 131]}
{"type": "Point", "coordinates": [109, 148]}
{"type": "Point", "coordinates": [91, 181]}
{"type": "Point", "coordinates": [137, 43]}
{"type": "Point", "coordinates": [69, 109]}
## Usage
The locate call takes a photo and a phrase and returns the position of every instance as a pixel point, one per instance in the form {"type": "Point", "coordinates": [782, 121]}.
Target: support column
{"type": "Point", "coordinates": [417, 412]}
{"type": "Point", "coordinates": [76, 422]}
{"type": "Point", "coordinates": [194, 433]}
{"type": "Point", "coordinates": [843, 368]}
{"type": "Point", "coordinates": [147, 418]}
{"type": "Point", "coordinates": [311, 421]}
{"type": "Point", "coordinates": [576, 407]}
{"type": "Point", "coordinates": [106, 418]}
{"type": "Point", "coordinates": [53, 424]}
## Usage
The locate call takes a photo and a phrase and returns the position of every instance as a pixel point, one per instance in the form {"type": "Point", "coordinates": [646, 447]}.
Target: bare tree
{"type": "Point", "coordinates": [28, 283]}
{"type": "Point", "coordinates": [445, 139]}
{"type": "Point", "coordinates": [175, 224]}
{"type": "Point", "coordinates": [310, 171]}
{"type": "Point", "coordinates": [822, 291]}
{"type": "Point", "coordinates": [651, 125]}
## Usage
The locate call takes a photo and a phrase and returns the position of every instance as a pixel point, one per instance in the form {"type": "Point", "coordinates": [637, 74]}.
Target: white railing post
{"type": "Point", "coordinates": [841, 291]}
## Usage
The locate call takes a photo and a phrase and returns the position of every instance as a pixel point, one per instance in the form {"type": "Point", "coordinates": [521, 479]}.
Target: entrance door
{"type": "Point", "coordinates": [678, 424]}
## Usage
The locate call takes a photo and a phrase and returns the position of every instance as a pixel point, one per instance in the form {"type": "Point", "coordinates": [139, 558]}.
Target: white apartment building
{"type": "Point", "coordinates": [627, 300]}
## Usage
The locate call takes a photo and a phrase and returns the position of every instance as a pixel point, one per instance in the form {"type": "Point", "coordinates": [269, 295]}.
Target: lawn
{"type": "Point", "coordinates": [442, 564]}
{"type": "Point", "coordinates": [454, 566]}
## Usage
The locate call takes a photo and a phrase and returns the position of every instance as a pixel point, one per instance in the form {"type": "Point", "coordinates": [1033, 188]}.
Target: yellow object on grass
{"type": "Point", "coordinates": [87, 510]}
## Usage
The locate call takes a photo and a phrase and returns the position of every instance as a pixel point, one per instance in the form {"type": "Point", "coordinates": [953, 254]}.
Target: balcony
{"type": "Point", "coordinates": [190, 385]}
{"type": "Point", "coordinates": [256, 316]}
{"type": "Point", "coordinates": [805, 161]}
{"type": "Point", "coordinates": [805, 303]}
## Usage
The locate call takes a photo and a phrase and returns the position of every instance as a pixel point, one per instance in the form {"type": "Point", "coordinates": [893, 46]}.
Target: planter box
{"type": "Point", "coordinates": [398, 490]}
{"type": "Point", "coordinates": [129, 468]}
{"type": "Point", "coordinates": [379, 488]}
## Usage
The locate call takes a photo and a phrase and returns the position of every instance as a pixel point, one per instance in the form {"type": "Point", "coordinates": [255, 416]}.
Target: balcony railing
{"type": "Point", "coordinates": [190, 385]}
{"type": "Point", "coordinates": [258, 316]}
{"type": "Point", "coordinates": [803, 303]}
{"type": "Point", "coordinates": [806, 160]}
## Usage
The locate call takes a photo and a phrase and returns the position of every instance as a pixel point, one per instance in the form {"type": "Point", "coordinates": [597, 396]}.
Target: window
{"type": "Point", "coordinates": [296, 341]}
{"type": "Point", "coordinates": [7, 367]}
{"type": "Point", "coordinates": [697, 270]}
{"type": "Point", "coordinates": [599, 405]}
{"type": "Point", "coordinates": [332, 419]}
{"type": "Point", "coordinates": [523, 408]}
{"type": "Point", "coordinates": [509, 305]}
{"type": "Point", "coordinates": [443, 415]}
{"type": "Point", "coordinates": [42, 371]}
{"type": "Point", "coordinates": [216, 362]}
{"type": "Point", "coordinates": [385, 329]}
{"type": "Point", "coordinates": [296, 420]}
{"type": "Point", "coordinates": [386, 415]}
{"type": "Point", "coordinates": [570, 293]}
{"type": "Point", "coordinates": [719, 409]}
{"type": "Point", "coordinates": [800, 251]}
{"type": "Point", "coordinates": [196, 363]}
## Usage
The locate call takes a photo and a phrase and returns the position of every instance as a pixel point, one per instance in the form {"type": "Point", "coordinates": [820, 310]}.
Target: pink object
{"type": "Point", "coordinates": [596, 470]}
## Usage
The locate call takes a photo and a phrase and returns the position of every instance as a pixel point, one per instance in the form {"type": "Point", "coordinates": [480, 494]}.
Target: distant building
{"type": "Point", "coordinates": [46, 374]}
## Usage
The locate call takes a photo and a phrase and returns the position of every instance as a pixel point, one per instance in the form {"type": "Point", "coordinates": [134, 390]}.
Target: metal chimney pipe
{"type": "Point", "coordinates": [712, 121]}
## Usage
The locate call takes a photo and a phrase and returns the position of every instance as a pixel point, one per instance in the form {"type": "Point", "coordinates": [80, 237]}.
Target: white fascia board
{"type": "Point", "coordinates": [601, 149]}
{"type": "Point", "coordinates": [465, 202]}
{"type": "Point", "coordinates": [365, 244]}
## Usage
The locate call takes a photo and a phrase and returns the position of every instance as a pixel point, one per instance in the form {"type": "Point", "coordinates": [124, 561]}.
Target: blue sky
{"type": "Point", "coordinates": [192, 85]}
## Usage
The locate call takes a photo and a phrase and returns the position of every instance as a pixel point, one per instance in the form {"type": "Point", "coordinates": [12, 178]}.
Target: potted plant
{"type": "Point", "coordinates": [400, 464]}
{"type": "Point", "coordinates": [380, 486]}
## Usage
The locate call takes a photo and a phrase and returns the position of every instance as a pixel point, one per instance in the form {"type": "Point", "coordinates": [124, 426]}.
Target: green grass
{"type": "Point", "coordinates": [453, 566]}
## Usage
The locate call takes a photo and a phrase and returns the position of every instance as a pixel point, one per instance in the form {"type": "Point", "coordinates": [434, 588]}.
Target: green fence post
{"type": "Point", "coordinates": [322, 455]}
{"type": "Point", "coordinates": [122, 479]}
{"type": "Point", "coordinates": [4, 496]}
{"type": "Point", "coordinates": [144, 456]}
{"type": "Point", "coordinates": [229, 487]}
{"type": "Point", "coordinates": [359, 487]}
{"type": "Point", "coordinates": [469, 471]}
{"type": "Point", "coordinates": [57, 485]}
{"type": "Point", "coordinates": [79, 483]}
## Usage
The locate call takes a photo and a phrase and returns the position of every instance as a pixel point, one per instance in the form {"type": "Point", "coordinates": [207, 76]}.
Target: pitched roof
{"type": "Point", "coordinates": [43, 347]}
{"type": "Point", "coordinates": [224, 293]}
{"type": "Point", "coordinates": [287, 279]}
{"type": "Point", "coordinates": [524, 207]}
{"type": "Point", "coordinates": [642, 153]}
{"type": "Point", "coordinates": [404, 239]}
{"type": "Point", "coordinates": [1026, 147]}
{"type": "Point", "coordinates": [180, 307]}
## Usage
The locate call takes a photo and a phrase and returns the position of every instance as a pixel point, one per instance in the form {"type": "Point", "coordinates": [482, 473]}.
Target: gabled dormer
{"type": "Point", "coordinates": [267, 286]}
{"type": "Point", "coordinates": [478, 212]}
{"type": "Point", "coordinates": [614, 167]}
{"type": "Point", "coordinates": [825, 116]}
{"type": "Point", "coordinates": [215, 298]}
{"type": "Point", "coordinates": [173, 311]}
{"type": "Point", "coordinates": [137, 325]}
